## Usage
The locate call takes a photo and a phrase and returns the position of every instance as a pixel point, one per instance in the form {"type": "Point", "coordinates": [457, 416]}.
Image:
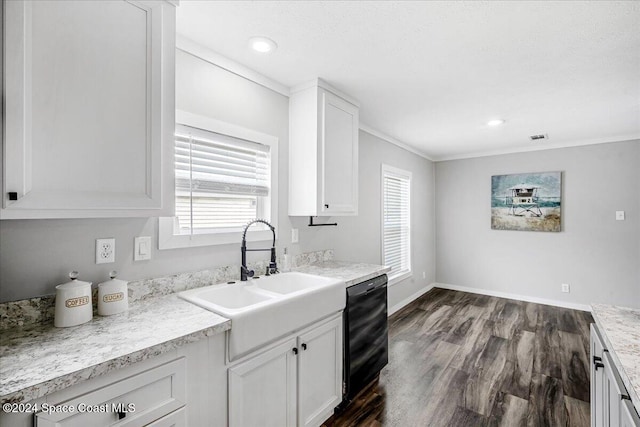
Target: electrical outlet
{"type": "Point", "coordinates": [105, 251]}
{"type": "Point", "coordinates": [565, 287]}
{"type": "Point", "coordinates": [619, 215]}
{"type": "Point", "coordinates": [424, 274]}
{"type": "Point", "coordinates": [294, 235]}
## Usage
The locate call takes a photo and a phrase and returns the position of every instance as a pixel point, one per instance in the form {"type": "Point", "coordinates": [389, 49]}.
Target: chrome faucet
{"type": "Point", "coordinates": [272, 268]}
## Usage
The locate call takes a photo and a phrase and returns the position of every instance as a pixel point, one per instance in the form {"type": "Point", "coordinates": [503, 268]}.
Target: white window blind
{"type": "Point", "coordinates": [221, 181]}
{"type": "Point", "coordinates": [396, 218]}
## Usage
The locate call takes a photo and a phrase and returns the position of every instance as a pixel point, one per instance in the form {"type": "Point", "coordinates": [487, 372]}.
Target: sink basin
{"type": "Point", "coordinates": [290, 282]}
{"type": "Point", "coordinates": [232, 297]}
{"type": "Point", "coordinates": [265, 309]}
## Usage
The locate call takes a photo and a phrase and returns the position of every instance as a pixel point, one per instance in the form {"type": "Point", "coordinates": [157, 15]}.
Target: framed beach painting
{"type": "Point", "coordinates": [527, 201]}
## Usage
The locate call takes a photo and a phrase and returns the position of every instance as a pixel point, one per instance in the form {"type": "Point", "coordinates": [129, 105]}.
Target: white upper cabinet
{"type": "Point", "coordinates": [323, 152]}
{"type": "Point", "coordinates": [89, 109]}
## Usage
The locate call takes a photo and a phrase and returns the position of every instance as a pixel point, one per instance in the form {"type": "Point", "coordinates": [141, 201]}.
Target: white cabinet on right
{"type": "Point", "coordinates": [323, 151]}
{"type": "Point", "coordinates": [610, 404]}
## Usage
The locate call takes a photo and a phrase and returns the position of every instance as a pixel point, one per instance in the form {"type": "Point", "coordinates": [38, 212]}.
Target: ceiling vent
{"type": "Point", "coordinates": [539, 137]}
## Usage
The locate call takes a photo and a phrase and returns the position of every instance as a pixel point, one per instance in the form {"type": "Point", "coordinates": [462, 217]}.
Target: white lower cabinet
{"type": "Point", "coordinates": [262, 390]}
{"type": "Point", "coordinates": [597, 378]}
{"type": "Point", "coordinates": [610, 404]}
{"type": "Point", "coordinates": [297, 381]}
{"type": "Point", "coordinates": [136, 401]}
{"type": "Point", "coordinates": [319, 373]}
{"type": "Point", "coordinates": [628, 415]}
{"type": "Point", "coordinates": [186, 386]}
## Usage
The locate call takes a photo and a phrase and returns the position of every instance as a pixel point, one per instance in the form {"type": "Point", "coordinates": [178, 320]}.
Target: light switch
{"type": "Point", "coordinates": [142, 248]}
{"type": "Point", "coordinates": [294, 235]}
{"type": "Point", "coordinates": [619, 215]}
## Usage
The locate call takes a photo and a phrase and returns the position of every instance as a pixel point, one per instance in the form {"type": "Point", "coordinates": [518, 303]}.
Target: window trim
{"type": "Point", "coordinates": [403, 174]}
{"type": "Point", "coordinates": [167, 239]}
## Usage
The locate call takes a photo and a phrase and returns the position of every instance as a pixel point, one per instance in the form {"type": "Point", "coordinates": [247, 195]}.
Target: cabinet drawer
{"type": "Point", "coordinates": [614, 392]}
{"type": "Point", "coordinates": [135, 401]}
{"type": "Point", "coordinates": [175, 419]}
{"type": "Point", "coordinates": [628, 415]}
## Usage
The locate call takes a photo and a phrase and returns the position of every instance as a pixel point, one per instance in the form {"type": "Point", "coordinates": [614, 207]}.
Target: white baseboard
{"type": "Point", "coordinates": [411, 298]}
{"type": "Point", "coordinates": [574, 306]}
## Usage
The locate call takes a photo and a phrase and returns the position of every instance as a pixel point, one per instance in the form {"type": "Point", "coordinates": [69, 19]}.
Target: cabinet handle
{"type": "Point", "coordinates": [598, 365]}
{"type": "Point", "coordinates": [295, 350]}
{"type": "Point", "coordinates": [304, 346]}
{"type": "Point", "coordinates": [326, 206]}
{"type": "Point", "coordinates": [597, 359]}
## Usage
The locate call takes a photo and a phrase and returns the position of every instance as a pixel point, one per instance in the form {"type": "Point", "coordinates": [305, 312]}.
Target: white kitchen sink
{"type": "Point", "coordinates": [262, 310]}
{"type": "Point", "coordinates": [291, 282]}
{"type": "Point", "coordinates": [232, 297]}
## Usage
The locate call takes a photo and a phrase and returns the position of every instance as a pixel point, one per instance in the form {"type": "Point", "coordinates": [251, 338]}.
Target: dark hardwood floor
{"type": "Point", "coordinates": [461, 359]}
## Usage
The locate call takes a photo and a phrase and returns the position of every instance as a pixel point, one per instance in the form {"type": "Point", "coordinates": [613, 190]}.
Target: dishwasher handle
{"type": "Point", "coordinates": [367, 287]}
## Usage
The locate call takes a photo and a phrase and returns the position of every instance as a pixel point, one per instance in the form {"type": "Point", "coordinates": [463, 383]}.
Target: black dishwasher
{"type": "Point", "coordinates": [366, 334]}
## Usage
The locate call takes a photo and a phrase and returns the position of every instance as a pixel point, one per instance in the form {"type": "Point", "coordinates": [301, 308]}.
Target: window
{"type": "Point", "coordinates": [223, 180]}
{"type": "Point", "coordinates": [396, 222]}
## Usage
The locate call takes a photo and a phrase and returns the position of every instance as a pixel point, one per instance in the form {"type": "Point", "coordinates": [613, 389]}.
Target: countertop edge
{"type": "Point", "coordinates": [67, 380]}
{"type": "Point", "coordinates": [368, 276]}
{"type": "Point", "coordinates": [349, 272]}
{"type": "Point", "coordinates": [635, 399]}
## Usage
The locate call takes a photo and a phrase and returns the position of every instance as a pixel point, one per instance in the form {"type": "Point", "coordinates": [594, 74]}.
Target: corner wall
{"type": "Point", "coordinates": [598, 256]}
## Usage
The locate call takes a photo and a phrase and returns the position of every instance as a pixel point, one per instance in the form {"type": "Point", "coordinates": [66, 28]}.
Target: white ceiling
{"type": "Point", "coordinates": [431, 74]}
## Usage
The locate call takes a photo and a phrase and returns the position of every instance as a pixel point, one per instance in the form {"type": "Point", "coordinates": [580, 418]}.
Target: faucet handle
{"type": "Point", "coordinates": [273, 268]}
{"type": "Point", "coordinates": [250, 273]}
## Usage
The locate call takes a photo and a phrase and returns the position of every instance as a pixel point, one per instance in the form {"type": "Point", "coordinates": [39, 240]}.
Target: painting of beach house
{"type": "Point", "coordinates": [526, 202]}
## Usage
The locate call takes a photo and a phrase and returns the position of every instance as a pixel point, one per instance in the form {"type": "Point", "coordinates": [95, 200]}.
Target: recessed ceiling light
{"type": "Point", "coordinates": [496, 122]}
{"type": "Point", "coordinates": [262, 44]}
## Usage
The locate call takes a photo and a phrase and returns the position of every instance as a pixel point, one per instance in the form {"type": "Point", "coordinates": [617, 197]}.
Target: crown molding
{"type": "Point", "coordinates": [546, 146]}
{"type": "Point", "coordinates": [391, 140]}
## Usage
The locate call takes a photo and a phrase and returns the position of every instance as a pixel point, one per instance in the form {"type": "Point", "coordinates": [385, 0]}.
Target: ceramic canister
{"type": "Point", "coordinates": [112, 296]}
{"type": "Point", "coordinates": [73, 302]}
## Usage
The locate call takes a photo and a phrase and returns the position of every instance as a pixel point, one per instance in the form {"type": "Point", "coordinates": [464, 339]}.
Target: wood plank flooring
{"type": "Point", "coordinates": [461, 359]}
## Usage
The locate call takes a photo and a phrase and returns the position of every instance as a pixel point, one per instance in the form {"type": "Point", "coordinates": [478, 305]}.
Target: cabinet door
{"type": "Point", "coordinates": [89, 108]}
{"type": "Point", "coordinates": [613, 392]}
{"type": "Point", "coordinates": [597, 374]}
{"type": "Point", "coordinates": [339, 156]}
{"type": "Point", "coordinates": [628, 415]}
{"type": "Point", "coordinates": [319, 373]}
{"type": "Point", "coordinates": [262, 390]}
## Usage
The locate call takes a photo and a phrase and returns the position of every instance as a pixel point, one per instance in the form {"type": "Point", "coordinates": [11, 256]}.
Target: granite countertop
{"type": "Point", "coordinates": [40, 359]}
{"type": "Point", "coordinates": [351, 273]}
{"type": "Point", "coordinates": [620, 329]}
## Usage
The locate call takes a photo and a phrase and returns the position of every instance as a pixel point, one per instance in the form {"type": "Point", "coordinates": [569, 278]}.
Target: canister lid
{"type": "Point", "coordinates": [113, 281]}
{"type": "Point", "coordinates": [74, 283]}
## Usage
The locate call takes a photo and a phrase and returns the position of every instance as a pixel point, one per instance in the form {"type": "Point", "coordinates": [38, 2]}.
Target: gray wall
{"type": "Point", "coordinates": [597, 255]}
{"type": "Point", "coordinates": [358, 238]}
{"type": "Point", "coordinates": [36, 255]}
